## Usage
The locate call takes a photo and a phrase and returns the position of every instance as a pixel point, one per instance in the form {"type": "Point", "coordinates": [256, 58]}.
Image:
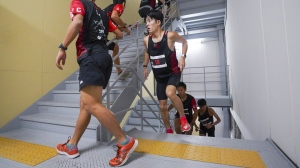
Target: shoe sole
{"type": "Point", "coordinates": [69, 156]}
{"type": "Point", "coordinates": [136, 142]}
{"type": "Point", "coordinates": [186, 130]}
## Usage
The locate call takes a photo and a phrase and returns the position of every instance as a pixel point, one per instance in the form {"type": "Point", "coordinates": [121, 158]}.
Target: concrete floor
{"type": "Point", "coordinates": [95, 154]}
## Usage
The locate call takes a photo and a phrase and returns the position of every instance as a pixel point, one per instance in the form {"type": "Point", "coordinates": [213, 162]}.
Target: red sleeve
{"type": "Point", "coordinates": [111, 26]}
{"type": "Point", "coordinates": [194, 104]}
{"type": "Point", "coordinates": [119, 8]}
{"type": "Point", "coordinates": [152, 3]}
{"type": "Point", "coordinates": [76, 7]}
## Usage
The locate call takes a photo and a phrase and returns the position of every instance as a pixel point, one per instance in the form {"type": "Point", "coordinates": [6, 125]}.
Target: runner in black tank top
{"type": "Point", "coordinates": [163, 60]}
{"type": "Point", "coordinates": [160, 49]}
{"type": "Point", "coordinates": [189, 105]}
{"type": "Point", "coordinates": [206, 118]}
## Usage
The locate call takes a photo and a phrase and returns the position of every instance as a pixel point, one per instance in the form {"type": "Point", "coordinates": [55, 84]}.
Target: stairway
{"type": "Point", "coordinates": [151, 115]}
{"type": "Point", "coordinates": [58, 110]}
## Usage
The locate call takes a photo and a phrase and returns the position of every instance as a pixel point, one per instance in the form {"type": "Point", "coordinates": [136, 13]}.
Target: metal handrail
{"type": "Point", "coordinates": [205, 79]}
{"type": "Point", "coordinates": [141, 98]}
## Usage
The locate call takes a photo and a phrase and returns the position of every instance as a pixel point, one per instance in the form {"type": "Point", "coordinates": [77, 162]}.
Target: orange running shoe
{"type": "Point", "coordinates": [185, 126]}
{"type": "Point", "coordinates": [124, 152]}
{"type": "Point", "coordinates": [70, 152]}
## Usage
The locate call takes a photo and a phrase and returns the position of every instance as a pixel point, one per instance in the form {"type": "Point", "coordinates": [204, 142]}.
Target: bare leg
{"type": "Point", "coordinates": [81, 125]}
{"type": "Point", "coordinates": [177, 103]}
{"type": "Point", "coordinates": [177, 126]}
{"type": "Point", "coordinates": [117, 61]}
{"type": "Point", "coordinates": [90, 97]}
{"type": "Point", "coordinates": [164, 112]}
{"type": "Point", "coordinates": [168, 11]}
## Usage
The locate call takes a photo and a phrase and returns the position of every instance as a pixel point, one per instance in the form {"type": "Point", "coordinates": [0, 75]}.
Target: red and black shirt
{"type": "Point", "coordinates": [96, 26]}
{"type": "Point", "coordinates": [117, 7]}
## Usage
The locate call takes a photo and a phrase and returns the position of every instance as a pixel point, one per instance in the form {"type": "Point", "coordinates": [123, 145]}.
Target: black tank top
{"type": "Point", "coordinates": [163, 60]}
{"type": "Point", "coordinates": [187, 105]}
{"type": "Point", "coordinates": [206, 118]}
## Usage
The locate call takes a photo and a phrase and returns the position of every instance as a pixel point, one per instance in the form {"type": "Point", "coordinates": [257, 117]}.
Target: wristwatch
{"type": "Point", "coordinates": [183, 55]}
{"type": "Point", "coordinates": [62, 47]}
{"type": "Point", "coordinates": [145, 66]}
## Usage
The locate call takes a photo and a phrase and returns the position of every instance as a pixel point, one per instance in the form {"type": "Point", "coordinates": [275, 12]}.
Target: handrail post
{"type": "Point", "coordinates": [141, 106]}
{"type": "Point", "coordinates": [108, 96]}
{"type": "Point", "coordinates": [204, 83]}
{"type": "Point", "coordinates": [227, 80]}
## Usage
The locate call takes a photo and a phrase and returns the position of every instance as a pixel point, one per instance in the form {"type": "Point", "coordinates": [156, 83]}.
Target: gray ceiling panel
{"type": "Point", "coordinates": [201, 14]}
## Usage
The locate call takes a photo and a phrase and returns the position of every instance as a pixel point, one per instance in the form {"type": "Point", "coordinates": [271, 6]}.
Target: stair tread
{"type": "Point", "coordinates": [59, 104]}
{"type": "Point", "coordinates": [116, 90]}
{"type": "Point", "coordinates": [137, 117]}
{"type": "Point", "coordinates": [155, 126]}
{"type": "Point", "coordinates": [77, 82]}
{"type": "Point", "coordinates": [57, 119]}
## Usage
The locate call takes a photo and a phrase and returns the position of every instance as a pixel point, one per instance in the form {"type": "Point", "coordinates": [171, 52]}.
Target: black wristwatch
{"type": "Point", "coordinates": [145, 66]}
{"type": "Point", "coordinates": [62, 47]}
{"type": "Point", "coordinates": [183, 55]}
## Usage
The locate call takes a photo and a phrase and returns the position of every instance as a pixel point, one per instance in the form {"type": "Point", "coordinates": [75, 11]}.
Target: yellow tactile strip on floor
{"type": "Point", "coordinates": [226, 156]}
{"type": "Point", "coordinates": [25, 152]}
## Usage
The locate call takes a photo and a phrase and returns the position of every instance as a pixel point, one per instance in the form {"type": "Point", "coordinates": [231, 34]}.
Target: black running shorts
{"type": "Point", "coordinates": [210, 132]}
{"type": "Point", "coordinates": [161, 87]}
{"type": "Point", "coordinates": [111, 46]}
{"type": "Point", "coordinates": [95, 69]}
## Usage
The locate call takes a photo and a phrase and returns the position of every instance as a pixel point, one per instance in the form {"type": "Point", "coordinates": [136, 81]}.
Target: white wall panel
{"type": "Point", "coordinates": [245, 52]}
{"type": "Point", "coordinates": [278, 74]}
{"type": "Point", "coordinates": [292, 40]}
{"type": "Point", "coordinates": [262, 44]}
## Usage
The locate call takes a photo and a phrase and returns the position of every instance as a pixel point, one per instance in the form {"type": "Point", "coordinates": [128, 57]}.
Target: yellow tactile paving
{"type": "Point", "coordinates": [25, 152]}
{"type": "Point", "coordinates": [226, 156]}
{"type": "Point", "coordinates": [245, 158]}
{"type": "Point", "coordinates": [203, 154]}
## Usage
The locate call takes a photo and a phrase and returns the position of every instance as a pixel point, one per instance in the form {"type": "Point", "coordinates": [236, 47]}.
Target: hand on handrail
{"type": "Point", "coordinates": [124, 31]}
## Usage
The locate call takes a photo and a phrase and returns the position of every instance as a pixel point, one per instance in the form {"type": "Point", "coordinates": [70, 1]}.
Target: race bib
{"type": "Point", "coordinates": [158, 61]}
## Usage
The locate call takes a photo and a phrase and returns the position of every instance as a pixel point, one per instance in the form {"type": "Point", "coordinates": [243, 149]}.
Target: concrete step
{"type": "Point", "coordinates": [155, 108]}
{"type": "Point", "coordinates": [146, 114]}
{"type": "Point", "coordinates": [74, 96]}
{"type": "Point", "coordinates": [137, 121]}
{"type": "Point", "coordinates": [64, 124]}
{"type": "Point", "coordinates": [74, 85]}
{"type": "Point", "coordinates": [152, 102]}
{"type": "Point", "coordinates": [145, 128]}
{"type": "Point", "coordinates": [60, 108]}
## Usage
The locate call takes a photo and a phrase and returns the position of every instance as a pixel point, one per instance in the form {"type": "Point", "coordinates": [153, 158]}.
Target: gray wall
{"type": "Point", "coordinates": [263, 51]}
